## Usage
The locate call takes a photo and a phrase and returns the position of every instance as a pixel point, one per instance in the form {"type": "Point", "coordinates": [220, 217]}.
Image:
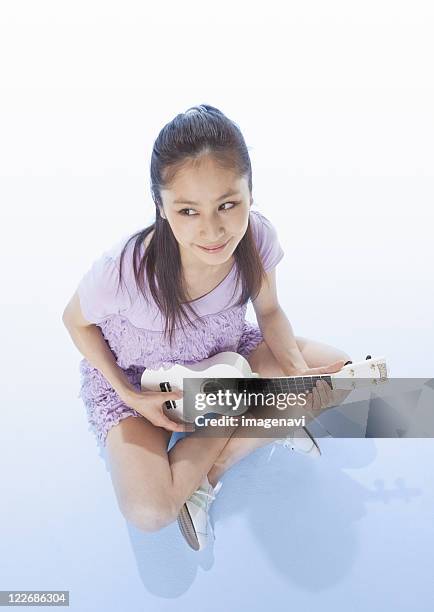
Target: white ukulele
{"type": "Point", "coordinates": [231, 367]}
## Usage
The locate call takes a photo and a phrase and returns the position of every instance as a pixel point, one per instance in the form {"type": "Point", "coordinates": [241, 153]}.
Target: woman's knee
{"type": "Point", "coordinates": [149, 516]}
{"type": "Point", "coordinates": [263, 362]}
{"type": "Point", "coordinates": [318, 353]}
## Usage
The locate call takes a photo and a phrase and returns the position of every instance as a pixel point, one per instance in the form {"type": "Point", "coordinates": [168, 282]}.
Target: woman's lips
{"type": "Point", "coordinates": [215, 250]}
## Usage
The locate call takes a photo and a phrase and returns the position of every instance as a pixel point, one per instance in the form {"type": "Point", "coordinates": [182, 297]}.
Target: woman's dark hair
{"type": "Point", "coordinates": [201, 130]}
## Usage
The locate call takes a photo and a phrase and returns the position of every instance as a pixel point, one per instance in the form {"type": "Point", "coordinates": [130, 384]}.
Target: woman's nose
{"type": "Point", "coordinates": [212, 230]}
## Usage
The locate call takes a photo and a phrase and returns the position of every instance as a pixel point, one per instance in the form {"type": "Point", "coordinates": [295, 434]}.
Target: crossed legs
{"type": "Point", "coordinates": [262, 361]}
{"type": "Point", "coordinates": [152, 484]}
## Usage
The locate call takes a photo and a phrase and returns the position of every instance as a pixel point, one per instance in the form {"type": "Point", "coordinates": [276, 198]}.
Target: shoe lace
{"type": "Point", "coordinates": [199, 494]}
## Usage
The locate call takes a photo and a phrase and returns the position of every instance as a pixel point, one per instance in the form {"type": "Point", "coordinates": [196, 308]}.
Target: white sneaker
{"type": "Point", "coordinates": [303, 443]}
{"type": "Point", "coordinates": [193, 518]}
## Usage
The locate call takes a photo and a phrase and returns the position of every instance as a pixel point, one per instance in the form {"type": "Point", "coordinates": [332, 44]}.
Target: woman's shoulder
{"type": "Point", "coordinates": [266, 239]}
{"type": "Point", "coordinates": [106, 288]}
{"type": "Point", "coordinates": [129, 248]}
{"type": "Point", "coordinates": [259, 220]}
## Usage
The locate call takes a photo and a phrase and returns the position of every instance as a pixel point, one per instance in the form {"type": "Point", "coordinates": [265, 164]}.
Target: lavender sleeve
{"type": "Point", "coordinates": [98, 290]}
{"type": "Point", "coordinates": [267, 240]}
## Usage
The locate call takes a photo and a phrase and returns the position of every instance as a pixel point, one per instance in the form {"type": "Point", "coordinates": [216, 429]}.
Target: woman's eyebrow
{"type": "Point", "coordinates": [182, 200]}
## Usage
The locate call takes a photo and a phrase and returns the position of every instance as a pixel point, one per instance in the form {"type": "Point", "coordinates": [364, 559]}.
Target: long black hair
{"type": "Point", "coordinates": [201, 130]}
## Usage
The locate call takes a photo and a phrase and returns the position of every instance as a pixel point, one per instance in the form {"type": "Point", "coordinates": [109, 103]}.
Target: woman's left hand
{"type": "Point", "coordinates": [322, 395]}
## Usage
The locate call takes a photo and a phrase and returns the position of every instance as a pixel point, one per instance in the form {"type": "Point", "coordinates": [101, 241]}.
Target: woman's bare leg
{"type": "Point", "coordinates": [191, 458]}
{"type": "Point", "coordinates": [263, 362]}
{"type": "Point", "coordinates": [150, 483]}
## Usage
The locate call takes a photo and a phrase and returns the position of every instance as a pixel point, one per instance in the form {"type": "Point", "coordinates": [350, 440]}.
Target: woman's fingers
{"type": "Point", "coordinates": [324, 398]}
{"type": "Point", "coordinates": [321, 393]}
{"type": "Point", "coordinates": [320, 397]}
{"type": "Point", "coordinates": [316, 399]}
{"type": "Point", "coordinates": [167, 423]}
{"type": "Point", "coordinates": [312, 400]}
{"type": "Point", "coordinates": [171, 395]}
{"type": "Point", "coordinates": [333, 367]}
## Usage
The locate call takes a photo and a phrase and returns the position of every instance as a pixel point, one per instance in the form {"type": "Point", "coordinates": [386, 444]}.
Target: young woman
{"type": "Point", "coordinates": [177, 292]}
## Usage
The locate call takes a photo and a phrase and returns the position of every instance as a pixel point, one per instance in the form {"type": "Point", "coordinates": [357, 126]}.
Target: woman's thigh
{"type": "Point", "coordinates": [316, 354]}
{"type": "Point", "coordinates": [140, 472]}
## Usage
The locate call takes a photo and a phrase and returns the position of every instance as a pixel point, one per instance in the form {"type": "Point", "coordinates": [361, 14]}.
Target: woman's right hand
{"type": "Point", "coordinates": [150, 405]}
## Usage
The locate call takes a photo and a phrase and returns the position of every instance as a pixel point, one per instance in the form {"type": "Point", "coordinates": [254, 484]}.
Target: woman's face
{"type": "Point", "coordinates": [200, 217]}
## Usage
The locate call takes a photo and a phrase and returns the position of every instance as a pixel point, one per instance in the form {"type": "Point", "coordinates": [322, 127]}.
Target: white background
{"type": "Point", "coordinates": [335, 100]}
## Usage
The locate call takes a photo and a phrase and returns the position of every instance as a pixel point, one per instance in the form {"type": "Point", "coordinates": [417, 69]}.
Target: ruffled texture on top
{"type": "Point", "coordinates": [136, 349]}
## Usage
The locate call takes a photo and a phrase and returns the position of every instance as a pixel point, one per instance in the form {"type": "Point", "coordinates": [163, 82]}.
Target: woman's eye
{"type": "Point", "coordinates": [182, 212]}
{"type": "Point", "coordinates": [233, 205]}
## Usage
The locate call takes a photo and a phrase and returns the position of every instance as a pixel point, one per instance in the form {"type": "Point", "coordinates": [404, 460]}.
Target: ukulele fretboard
{"type": "Point", "coordinates": [295, 384]}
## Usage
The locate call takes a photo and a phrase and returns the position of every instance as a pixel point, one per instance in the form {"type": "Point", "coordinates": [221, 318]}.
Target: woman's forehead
{"type": "Point", "coordinates": [195, 182]}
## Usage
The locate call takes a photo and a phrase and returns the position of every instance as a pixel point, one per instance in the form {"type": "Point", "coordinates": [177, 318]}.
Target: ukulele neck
{"type": "Point", "coordinates": [284, 384]}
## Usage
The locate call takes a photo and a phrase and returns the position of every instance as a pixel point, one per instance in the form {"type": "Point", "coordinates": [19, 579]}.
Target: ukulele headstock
{"type": "Point", "coordinates": [372, 371]}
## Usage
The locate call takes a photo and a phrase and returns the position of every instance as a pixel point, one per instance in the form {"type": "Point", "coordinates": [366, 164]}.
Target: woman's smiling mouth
{"type": "Point", "coordinates": [214, 249]}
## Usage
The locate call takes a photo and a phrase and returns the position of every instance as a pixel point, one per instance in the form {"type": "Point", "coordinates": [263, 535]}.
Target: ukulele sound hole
{"type": "Point", "coordinates": [211, 386]}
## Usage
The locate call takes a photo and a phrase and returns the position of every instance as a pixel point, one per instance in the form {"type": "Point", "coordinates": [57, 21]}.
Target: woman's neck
{"type": "Point", "coordinates": [202, 271]}
{"type": "Point", "coordinates": [198, 281]}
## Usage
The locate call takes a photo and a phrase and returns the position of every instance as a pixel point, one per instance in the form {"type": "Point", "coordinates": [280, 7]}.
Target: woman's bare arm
{"type": "Point", "coordinates": [91, 343]}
